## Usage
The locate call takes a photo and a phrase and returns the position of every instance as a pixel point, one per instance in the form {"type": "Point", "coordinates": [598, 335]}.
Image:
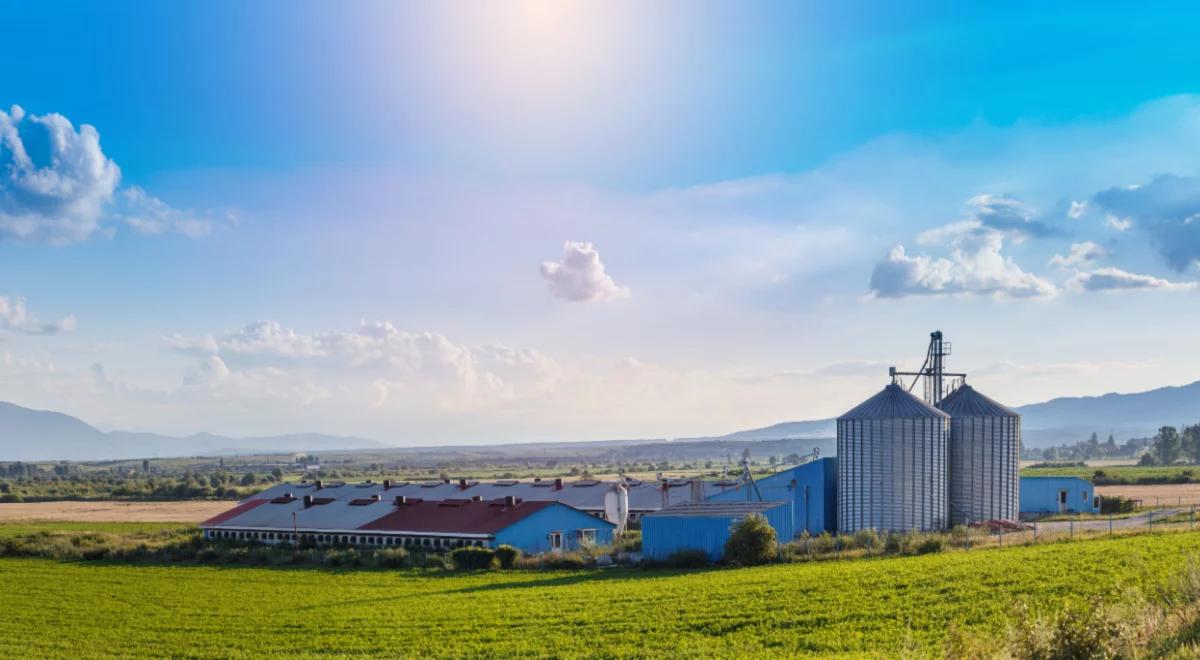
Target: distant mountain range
{"type": "Point", "coordinates": [27, 434]}
{"type": "Point", "coordinates": [1065, 419]}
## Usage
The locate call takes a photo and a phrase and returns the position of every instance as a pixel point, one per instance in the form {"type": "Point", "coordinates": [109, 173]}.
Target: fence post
{"type": "Point", "coordinates": [1150, 521]}
{"type": "Point", "coordinates": [1035, 532]}
{"type": "Point", "coordinates": [1110, 525]}
{"type": "Point", "coordinates": [1192, 518]}
{"type": "Point", "coordinates": [1071, 526]}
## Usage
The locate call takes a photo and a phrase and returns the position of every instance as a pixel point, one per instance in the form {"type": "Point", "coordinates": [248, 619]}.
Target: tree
{"type": "Point", "coordinates": [249, 479]}
{"type": "Point", "coordinates": [772, 460]}
{"type": "Point", "coordinates": [1191, 443]}
{"type": "Point", "coordinates": [751, 541]}
{"type": "Point", "coordinates": [1167, 445]}
{"type": "Point", "coordinates": [146, 465]}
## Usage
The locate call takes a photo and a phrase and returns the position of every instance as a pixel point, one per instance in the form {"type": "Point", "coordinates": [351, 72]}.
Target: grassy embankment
{"type": "Point", "coordinates": [881, 607]}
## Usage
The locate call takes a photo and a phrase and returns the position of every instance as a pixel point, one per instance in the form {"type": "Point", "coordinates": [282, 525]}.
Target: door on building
{"type": "Point", "coordinates": [556, 541]}
{"type": "Point", "coordinates": [1062, 501]}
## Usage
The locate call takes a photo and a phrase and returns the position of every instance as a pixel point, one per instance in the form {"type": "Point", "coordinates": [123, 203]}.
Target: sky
{"type": "Point", "coordinates": [464, 223]}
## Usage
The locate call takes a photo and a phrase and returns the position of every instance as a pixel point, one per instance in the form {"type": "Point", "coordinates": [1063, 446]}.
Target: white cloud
{"type": "Point", "coordinates": [15, 316]}
{"type": "Point", "coordinates": [580, 276]}
{"type": "Point", "coordinates": [1077, 210]}
{"type": "Point", "coordinates": [976, 266]}
{"type": "Point", "coordinates": [1119, 224]}
{"type": "Point", "coordinates": [1080, 254]}
{"type": "Point", "coordinates": [377, 360]}
{"type": "Point", "coordinates": [54, 179]}
{"type": "Point", "coordinates": [148, 215]}
{"type": "Point", "coordinates": [1115, 279]}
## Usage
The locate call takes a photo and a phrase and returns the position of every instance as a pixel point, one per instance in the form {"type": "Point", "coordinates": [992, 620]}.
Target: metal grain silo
{"type": "Point", "coordinates": [985, 454]}
{"type": "Point", "coordinates": [892, 455]}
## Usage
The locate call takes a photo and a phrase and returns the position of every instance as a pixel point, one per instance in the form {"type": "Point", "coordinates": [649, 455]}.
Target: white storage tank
{"type": "Point", "coordinates": [985, 454]}
{"type": "Point", "coordinates": [892, 452]}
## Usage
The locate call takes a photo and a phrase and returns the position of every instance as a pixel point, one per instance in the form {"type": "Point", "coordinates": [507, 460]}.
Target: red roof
{"type": "Point", "coordinates": [464, 517]}
{"type": "Point", "coordinates": [235, 511]}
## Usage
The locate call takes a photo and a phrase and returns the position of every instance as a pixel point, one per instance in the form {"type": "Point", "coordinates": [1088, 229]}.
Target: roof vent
{"type": "Point", "coordinates": [510, 500]}
{"type": "Point", "coordinates": [477, 498]}
{"type": "Point", "coordinates": [320, 484]}
{"type": "Point", "coordinates": [387, 483]}
{"type": "Point", "coordinates": [401, 500]}
{"type": "Point", "coordinates": [462, 484]}
{"type": "Point", "coordinates": [307, 501]}
{"type": "Point", "coordinates": [558, 483]}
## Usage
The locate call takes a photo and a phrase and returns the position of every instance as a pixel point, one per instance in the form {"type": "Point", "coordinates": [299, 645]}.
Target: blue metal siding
{"type": "Point", "coordinates": [811, 488]}
{"type": "Point", "coordinates": [1040, 495]}
{"type": "Point", "coordinates": [664, 535]}
{"type": "Point", "coordinates": [532, 534]}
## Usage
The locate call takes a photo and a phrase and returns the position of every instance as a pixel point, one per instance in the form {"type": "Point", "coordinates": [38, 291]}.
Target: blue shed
{"type": "Point", "coordinates": [555, 527]}
{"type": "Point", "coordinates": [705, 526]}
{"type": "Point", "coordinates": [811, 488]}
{"type": "Point", "coordinates": [1050, 495]}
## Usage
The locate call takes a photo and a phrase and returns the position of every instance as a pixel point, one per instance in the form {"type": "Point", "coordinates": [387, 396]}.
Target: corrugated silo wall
{"type": "Point", "coordinates": [892, 474]}
{"type": "Point", "coordinates": [985, 454]}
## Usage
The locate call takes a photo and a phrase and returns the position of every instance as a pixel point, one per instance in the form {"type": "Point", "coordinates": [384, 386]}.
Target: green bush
{"type": "Point", "coordinates": [689, 558]}
{"type": "Point", "coordinates": [507, 556]}
{"type": "Point", "coordinates": [473, 558]}
{"type": "Point", "coordinates": [931, 543]}
{"type": "Point", "coordinates": [564, 561]}
{"type": "Point", "coordinates": [392, 558]}
{"type": "Point", "coordinates": [751, 541]}
{"type": "Point", "coordinates": [629, 541]}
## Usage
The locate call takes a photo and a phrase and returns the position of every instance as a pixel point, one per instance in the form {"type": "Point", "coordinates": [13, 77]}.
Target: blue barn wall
{"type": "Point", "coordinates": [664, 534]}
{"type": "Point", "coordinates": [1039, 495]}
{"type": "Point", "coordinates": [812, 489]}
{"type": "Point", "coordinates": [532, 533]}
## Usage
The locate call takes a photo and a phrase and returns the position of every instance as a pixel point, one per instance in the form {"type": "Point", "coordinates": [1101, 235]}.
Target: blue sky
{"type": "Point", "coordinates": [527, 221]}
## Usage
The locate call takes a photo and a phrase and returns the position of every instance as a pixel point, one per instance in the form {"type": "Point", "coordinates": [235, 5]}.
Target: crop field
{"type": "Point", "coordinates": [193, 511]}
{"type": "Point", "coordinates": [1120, 474]}
{"type": "Point", "coordinates": [879, 607]}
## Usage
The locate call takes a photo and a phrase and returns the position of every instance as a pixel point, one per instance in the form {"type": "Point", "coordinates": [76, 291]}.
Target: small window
{"type": "Point", "coordinates": [587, 536]}
{"type": "Point", "coordinates": [1085, 495]}
{"type": "Point", "coordinates": [556, 541]}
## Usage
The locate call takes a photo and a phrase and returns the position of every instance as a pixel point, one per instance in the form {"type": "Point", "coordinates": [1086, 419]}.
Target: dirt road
{"type": "Point", "coordinates": [114, 511]}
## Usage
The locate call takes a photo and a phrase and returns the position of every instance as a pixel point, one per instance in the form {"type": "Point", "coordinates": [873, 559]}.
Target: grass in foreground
{"type": "Point", "coordinates": [880, 607]}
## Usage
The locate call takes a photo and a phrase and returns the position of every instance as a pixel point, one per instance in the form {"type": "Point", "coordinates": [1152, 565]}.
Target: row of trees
{"type": "Point", "coordinates": [1172, 445]}
{"type": "Point", "coordinates": [1090, 449]}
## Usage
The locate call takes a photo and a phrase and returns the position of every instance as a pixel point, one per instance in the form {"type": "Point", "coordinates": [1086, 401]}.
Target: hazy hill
{"type": "Point", "coordinates": [27, 435]}
{"type": "Point", "coordinates": [1065, 419]}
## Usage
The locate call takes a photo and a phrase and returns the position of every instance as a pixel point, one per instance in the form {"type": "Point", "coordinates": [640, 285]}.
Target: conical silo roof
{"type": "Point", "coordinates": [892, 403]}
{"type": "Point", "coordinates": [966, 402]}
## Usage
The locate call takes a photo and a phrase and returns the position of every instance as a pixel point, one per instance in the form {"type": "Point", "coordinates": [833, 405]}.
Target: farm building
{"type": "Point", "coordinates": [588, 495]}
{"type": "Point", "coordinates": [810, 487]}
{"type": "Point", "coordinates": [705, 526]}
{"type": "Point", "coordinates": [534, 527]}
{"type": "Point", "coordinates": [1042, 496]}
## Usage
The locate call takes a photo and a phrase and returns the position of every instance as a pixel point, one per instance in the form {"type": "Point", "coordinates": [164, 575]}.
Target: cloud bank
{"type": "Point", "coordinates": [14, 316]}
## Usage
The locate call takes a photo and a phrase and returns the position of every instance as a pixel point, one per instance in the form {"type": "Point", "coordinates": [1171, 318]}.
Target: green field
{"type": "Point", "coordinates": [879, 607]}
{"type": "Point", "coordinates": [1120, 474]}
